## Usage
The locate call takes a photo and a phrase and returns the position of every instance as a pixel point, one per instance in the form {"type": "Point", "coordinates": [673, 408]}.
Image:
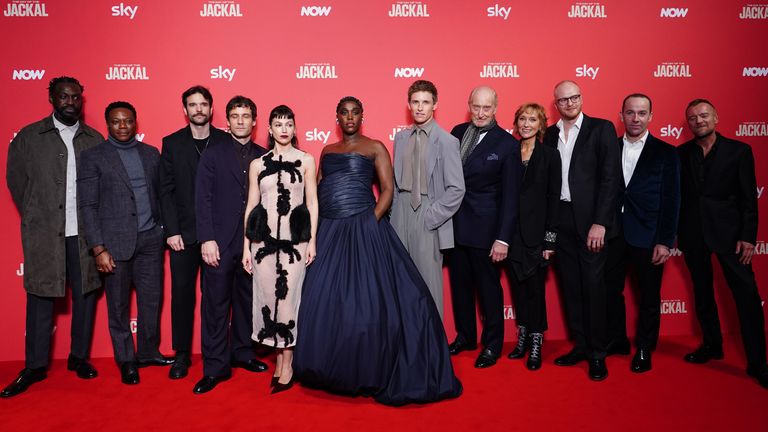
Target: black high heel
{"type": "Point", "coordinates": [280, 387]}
{"type": "Point", "coordinates": [273, 382]}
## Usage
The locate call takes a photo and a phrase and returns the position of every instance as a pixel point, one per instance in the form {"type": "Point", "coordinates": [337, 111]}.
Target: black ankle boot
{"type": "Point", "coordinates": [534, 358]}
{"type": "Point", "coordinates": [522, 343]}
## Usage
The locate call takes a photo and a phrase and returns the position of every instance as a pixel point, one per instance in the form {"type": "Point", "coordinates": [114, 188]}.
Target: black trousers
{"type": "Point", "coordinates": [530, 302]}
{"type": "Point", "coordinates": [582, 284]}
{"type": "Point", "coordinates": [471, 271]}
{"type": "Point", "coordinates": [226, 288]}
{"type": "Point", "coordinates": [622, 256]}
{"type": "Point", "coordinates": [145, 271]}
{"type": "Point", "coordinates": [39, 324]}
{"type": "Point", "coordinates": [741, 281]}
{"type": "Point", "coordinates": [185, 266]}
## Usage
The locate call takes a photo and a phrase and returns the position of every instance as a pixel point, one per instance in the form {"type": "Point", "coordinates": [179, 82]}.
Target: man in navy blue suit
{"type": "Point", "coordinates": [483, 225]}
{"type": "Point", "coordinates": [221, 191]}
{"type": "Point", "coordinates": [647, 221]}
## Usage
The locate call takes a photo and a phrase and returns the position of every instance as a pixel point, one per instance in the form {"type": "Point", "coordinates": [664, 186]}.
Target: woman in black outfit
{"type": "Point", "coordinates": [535, 236]}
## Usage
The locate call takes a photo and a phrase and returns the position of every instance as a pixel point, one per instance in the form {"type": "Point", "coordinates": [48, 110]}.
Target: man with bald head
{"type": "Point", "coordinates": [589, 194]}
{"type": "Point", "coordinates": [483, 225]}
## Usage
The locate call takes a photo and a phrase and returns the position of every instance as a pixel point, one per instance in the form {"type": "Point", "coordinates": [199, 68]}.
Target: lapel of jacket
{"type": "Point", "coordinates": [113, 159]}
{"type": "Point", "coordinates": [586, 129]}
{"type": "Point", "coordinates": [530, 171]}
{"type": "Point", "coordinates": [432, 151]}
{"type": "Point", "coordinates": [487, 141]}
{"type": "Point", "coordinates": [646, 156]}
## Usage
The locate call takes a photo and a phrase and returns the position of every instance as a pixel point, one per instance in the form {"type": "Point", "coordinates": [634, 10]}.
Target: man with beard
{"type": "Point", "coordinates": [41, 175]}
{"type": "Point", "coordinates": [178, 167]}
{"type": "Point", "coordinates": [220, 198]}
{"type": "Point", "coordinates": [718, 214]}
{"type": "Point", "coordinates": [588, 198]}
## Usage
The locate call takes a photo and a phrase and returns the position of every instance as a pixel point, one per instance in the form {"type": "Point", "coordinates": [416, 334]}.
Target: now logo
{"type": "Point", "coordinates": [28, 74]}
{"type": "Point", "coordinates": [315, 11]}
{"type": "Point", "coordinates": [673, 12]}
{"type": "Point", "coordinates": [408, 72]}
{"type": "Point", "coordinates": [755, 72]}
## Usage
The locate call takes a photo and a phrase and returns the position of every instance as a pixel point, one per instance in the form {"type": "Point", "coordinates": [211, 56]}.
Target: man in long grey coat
{"type": "Point", "coordinates": [429, 187]}
{"type": "Point", "coordinates": [41, 173]}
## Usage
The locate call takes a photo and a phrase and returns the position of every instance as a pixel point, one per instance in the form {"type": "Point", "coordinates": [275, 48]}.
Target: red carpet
{"type": "Point", "coordinates": [674, 396]}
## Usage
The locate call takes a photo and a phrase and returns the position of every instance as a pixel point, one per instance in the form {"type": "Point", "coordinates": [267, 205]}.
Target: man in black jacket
{"type": "Point", "coordinates": [647, 220]}
{"type": "Point", "coordinates": [588, 198]}
{"type": "Point", "coordinates": [178, 167]}
{"type": "Point", "coordinates": [718, 214]}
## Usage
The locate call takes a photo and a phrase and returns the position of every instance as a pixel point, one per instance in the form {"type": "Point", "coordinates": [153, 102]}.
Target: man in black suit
{"type": "Point", "coordinates": [647, 221]}
{"type": "Point", "coordinates": [718, 214]}
{"type": "Point", "coordinates": [117, 196]}
{"type": "Point", "coordinates": [588, 198]}
{"type": "Point", "coordinates": [220, 197]}
{"type": "Point", "coordinates": [483, 226]}
{"type": "Point", "coordinates": [178, 166]}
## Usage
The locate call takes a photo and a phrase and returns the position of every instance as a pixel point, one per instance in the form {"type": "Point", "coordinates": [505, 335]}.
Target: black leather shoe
{"type": "Point", "coordinates": [207, 383]}
{"type": "Point", "coordinates": [179, 368]}
{"type": "Point", "coordinates": [597, 370]}
{"type": "Point", "coordinates": [570, 359]}
{"type": "Point", "coordinates": [703, 354]}
{"type": "Point", "coordinates": [26, 378]}
{"type": "Point", "coordinates": [129, 373]}
{"type": "Point", "coordinates": [487, 358]}
{"type": "Point", "coordinates": [280, 387]}
{"type": "Point", "coordinates": [83, 369]}
{"type": "Point", "coordinates": [641, 362]}
{"type": "Point", "coordinates": [460, 345]}
{"type": "Point", "coordinates": [251, 365]}
{"type": "Point", "coordinates": [156, 361]}
{"type": "Point", "coordinates": [618, 346]}
{"type": "Point", "coordinates": [760, 373]}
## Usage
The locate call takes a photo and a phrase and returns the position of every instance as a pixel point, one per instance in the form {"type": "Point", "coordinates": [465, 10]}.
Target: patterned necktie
{"type": "Point", "coordinates": [416, 166]}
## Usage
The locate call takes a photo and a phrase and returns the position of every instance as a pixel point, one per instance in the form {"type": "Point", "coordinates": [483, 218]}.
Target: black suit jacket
{"type": "Point", "coordinates": [723, 209]}
{"type": "Point", "coordinates": [492, 176]}
{"type": "Point", "coordinates": [540, 196]}
{"type": "Point", "coordinates": [221, 193]}
{"type": "Point", "coordinates": [105, 197]}
{"type": "Point", "coordinates": [651, 200]}
{"type": "Point", "coordinates": [178, 168]}
{"type": "Point", "coordinates": [594, 175]}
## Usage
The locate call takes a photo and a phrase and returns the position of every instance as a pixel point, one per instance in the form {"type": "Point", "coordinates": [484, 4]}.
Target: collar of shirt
{"type": "Point", "coordinates": [579, 121]}
{"type": "Point", "coordinates": [62, 127]}
{"type": "Point", "coordinates": [640, 142]}
{"type": "Point", "coordinates": [426, 127]}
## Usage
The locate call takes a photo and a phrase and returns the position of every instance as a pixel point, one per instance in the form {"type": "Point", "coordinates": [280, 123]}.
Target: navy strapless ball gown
{"type": "Point", "coordinates": [367, 323]}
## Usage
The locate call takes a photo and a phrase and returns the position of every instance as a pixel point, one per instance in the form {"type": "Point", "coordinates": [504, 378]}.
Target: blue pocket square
{"type": "Point", "coordinates": [493, 156]}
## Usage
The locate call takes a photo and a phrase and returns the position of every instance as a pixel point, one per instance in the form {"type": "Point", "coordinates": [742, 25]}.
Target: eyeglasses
{"type": "Point", "coordinates": [564, 101]}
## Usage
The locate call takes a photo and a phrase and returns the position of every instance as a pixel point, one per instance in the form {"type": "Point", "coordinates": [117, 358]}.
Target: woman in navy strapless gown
{"type": "Point", "coordinates": [367, 322]}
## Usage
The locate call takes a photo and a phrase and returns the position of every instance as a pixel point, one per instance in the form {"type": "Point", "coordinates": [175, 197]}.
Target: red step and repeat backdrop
{"type": "Point", "coordinates": [308, 54]}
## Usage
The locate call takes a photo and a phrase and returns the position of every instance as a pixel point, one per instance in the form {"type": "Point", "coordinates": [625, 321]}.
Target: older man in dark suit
{"type": "Point", "coordinates": [647, 220]}
{"type": "Point", "coordinates": [221, 193]}
{"type": "Point", "coordinates": [718, 214]}
{"type": "Point", "coordinates": [588, 198]}
{"type": "Point", "coordinates": [117, 195]}
{"type": "Point", "coordinates": [483, 225]}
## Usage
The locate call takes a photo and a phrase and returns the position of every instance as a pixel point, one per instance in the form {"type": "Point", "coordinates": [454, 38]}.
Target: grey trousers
{"type": "Point", "coordinates": [145, 271]}
{"type": "Point", "coordinates": [422, 244]}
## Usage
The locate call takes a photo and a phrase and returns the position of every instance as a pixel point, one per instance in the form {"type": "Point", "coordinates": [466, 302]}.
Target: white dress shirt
{"type": "Point", "coordinates": [630, 154]}
{"type": "Point", "coordinates": [566, 151]}
{"type": "Point", "coordinates": [67, 134]}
